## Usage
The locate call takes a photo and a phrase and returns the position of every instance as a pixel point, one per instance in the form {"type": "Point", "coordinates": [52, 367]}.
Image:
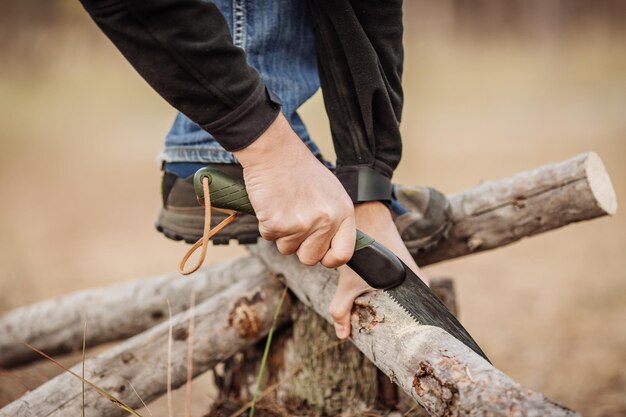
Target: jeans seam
{"type": "Point", "coordinates": [239, 23]}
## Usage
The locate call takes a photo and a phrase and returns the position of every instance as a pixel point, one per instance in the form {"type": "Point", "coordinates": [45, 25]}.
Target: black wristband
{"type": "Point", "coordinates": [364, 183]}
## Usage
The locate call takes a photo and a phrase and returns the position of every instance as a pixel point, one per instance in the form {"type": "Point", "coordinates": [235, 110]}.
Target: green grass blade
{"type": "Point", "coordinates": [268, 343]}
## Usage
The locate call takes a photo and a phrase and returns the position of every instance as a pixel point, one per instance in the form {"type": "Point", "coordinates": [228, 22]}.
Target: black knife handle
{"type": "Point", "coordinates": [377, 265]}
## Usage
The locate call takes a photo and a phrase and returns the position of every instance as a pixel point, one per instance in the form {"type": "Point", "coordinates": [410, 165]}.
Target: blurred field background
{"type": "Point", "coordinates": [492, 88]}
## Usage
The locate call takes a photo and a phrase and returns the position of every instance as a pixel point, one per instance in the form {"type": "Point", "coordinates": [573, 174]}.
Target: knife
{"type": "Point", "coordinates": [376, 264]}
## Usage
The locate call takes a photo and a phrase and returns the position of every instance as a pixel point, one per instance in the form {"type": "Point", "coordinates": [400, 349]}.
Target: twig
{"type": "Point", "coordinates": [170, 412]}
{"type": "Point", "coordinates": [410, 410]}
{"type": "Point", "coordinates": [139, 396]}
{"type": "Point", "coordinates": [190, 355]}
{"type": "Point", "coordinates": [266, 351]}
{"type": "Point", "coordinates": [83, 369]}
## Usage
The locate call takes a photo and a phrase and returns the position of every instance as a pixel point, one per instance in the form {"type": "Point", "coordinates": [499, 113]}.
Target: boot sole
{"type": "Point", "coordinates": [429, 243]}
{"type": "Point", "coordinates": [184, 225]}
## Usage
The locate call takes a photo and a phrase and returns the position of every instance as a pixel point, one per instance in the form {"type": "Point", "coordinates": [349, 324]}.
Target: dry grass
{"type": "Point", "coordinates": [117, 402]}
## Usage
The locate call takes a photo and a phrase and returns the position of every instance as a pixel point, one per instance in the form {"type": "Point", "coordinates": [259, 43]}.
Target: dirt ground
{"type": "Point", "coordinates": [79, 186]}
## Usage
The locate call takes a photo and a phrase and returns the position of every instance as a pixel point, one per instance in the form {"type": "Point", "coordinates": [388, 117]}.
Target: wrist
{"type": "Point", "coordinates": [277, 138]}
{"type": "Point", "coordinates": [372, 210]}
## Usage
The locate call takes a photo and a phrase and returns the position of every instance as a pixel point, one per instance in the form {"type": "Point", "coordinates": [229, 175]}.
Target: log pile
{"type": "Point", "coordinates": [236, 301]}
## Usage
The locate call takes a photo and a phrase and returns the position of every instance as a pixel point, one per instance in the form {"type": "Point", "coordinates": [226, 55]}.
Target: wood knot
{"type": "Point", "coordinates": [366, 314]}
{"type": "Point", "coordinates": [438, 397]}
{"type": "Point", "coordinates": [157, 315]}
{"type": "Point", "coordinates": [180, 334]}
{"type": "Point", "coordinates": [244, 316]}
{"type": "Point", "coordinates": [474, 243]}
{"type": "Point", "coordinates": [519, 202]}
{"type": "Point", "coordinates": [127, 357]}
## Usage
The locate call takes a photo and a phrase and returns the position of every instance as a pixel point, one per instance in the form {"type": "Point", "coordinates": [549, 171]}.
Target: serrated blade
{"type": "Point", "coordinates": [372, 261]}
{"type": "Point", "coordinates": [423, 305]}
{"type": "Point", "coordinates": [382, 269]}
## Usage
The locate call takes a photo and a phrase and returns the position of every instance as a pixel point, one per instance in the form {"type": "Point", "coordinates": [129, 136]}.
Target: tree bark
{"type": "Point", "coordinates": [439, 372]}
{"type": "Point", "coordinates": [56, 325]}
{"type": "Point", "coordinates": [496, 213]}
{"type": "Point", "coordinates": [325, 376]}
{"type": "Point", "coordinates": [224, 324]}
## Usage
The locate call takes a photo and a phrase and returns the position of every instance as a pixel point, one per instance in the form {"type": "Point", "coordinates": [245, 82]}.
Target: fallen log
{"type": "Point", "coordinates": [224, 324]}
{"type": "Point", "coordinates": [439, 372]}
{"type": "Point", "coordinates": [496, 213]}
{"type": "Point", "coordinates": [487, 216]}
{"type": "Point", "coordinates": [56, 325]}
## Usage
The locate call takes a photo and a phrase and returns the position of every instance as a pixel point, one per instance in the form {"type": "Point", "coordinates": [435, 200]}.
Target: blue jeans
{"type": "Point", "coordinates": [280, 44]}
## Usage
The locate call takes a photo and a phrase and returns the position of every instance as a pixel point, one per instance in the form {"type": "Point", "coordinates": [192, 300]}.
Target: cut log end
{"type": "Point", "coordinates": [600, 183]}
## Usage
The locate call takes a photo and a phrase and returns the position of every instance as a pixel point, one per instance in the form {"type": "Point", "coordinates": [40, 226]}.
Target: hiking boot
{"type": "Point", "coordinates": [421, 214]}
{"type": "Point", "coordinates": [182, 217]}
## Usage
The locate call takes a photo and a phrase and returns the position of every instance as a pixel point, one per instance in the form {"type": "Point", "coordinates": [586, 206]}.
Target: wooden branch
{"type": "Point", "coordinates": [490, 215]}
{"type": "Point", "coordinates": [224, 323]}
{"type": "Point", "coordinates": [496, 213]}
{"type": "Point", "coordinates": [112, 313]}
{"type": "Point", "coordinates": [439, 372]}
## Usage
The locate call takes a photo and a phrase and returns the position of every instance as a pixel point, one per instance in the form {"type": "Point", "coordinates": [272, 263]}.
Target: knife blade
{"type": "Point", "coordinates": [376, 264]}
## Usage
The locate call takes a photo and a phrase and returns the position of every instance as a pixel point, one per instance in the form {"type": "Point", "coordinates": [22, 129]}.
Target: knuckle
{"type": "Point", "coordinates": [267, 233]}
{"type": "Point", "coordinates": [274, 228]}
{"type": "Point", "coordinates": [337, 257]}
{"type": "Point", "coordinates": [307, 258]}
{"type": "Point", "coordinates": [308, 261]}
{"type": "Point", "coordinates": [326, 217]}
{"type": "Point", "coordinates": [343, 256]}
{"type": "Point", "coordinates": [329, 263]}
{"type": "Point", "coordinates": [300, 225]}
{"type": "Point", "coordinates": [285, 248]}
{"type": "Point", "coordinates": [346, 206]}
{"type": "Point", "coordinates": [335, 313]}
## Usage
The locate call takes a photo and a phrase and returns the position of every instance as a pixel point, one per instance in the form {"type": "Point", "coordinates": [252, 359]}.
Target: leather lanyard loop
{"type": "Point", "coordinates": [203, 242]}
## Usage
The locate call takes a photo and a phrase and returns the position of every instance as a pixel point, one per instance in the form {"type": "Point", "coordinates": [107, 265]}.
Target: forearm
{"type": "Point", "coordinates": [183, 49]}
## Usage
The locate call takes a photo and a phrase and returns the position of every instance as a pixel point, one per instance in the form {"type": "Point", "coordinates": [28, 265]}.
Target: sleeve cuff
{"type": "Point", "coordinates": [247, 122]}
{"type": "Point", "coordinates": [364, 183]}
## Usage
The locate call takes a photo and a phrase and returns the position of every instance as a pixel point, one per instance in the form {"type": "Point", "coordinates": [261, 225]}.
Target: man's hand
{"type": "Point", "coordinates": [299, 203]}
{"type": "Point", "coordinates": [374, 219]}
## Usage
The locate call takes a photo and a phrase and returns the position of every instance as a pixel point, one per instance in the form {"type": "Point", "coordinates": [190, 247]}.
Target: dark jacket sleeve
{"type": "Point", "coordinates": [184, 50]}
{"type": "Point", "coordinates": [360, 58]}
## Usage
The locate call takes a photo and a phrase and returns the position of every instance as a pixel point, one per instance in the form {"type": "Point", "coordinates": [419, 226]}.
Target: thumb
{"type": "Point", "coordinates": [350, 286]}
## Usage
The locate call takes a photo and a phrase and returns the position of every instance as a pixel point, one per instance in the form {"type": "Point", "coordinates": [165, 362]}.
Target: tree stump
{"type": "Point", "coordinates": [316, 373]}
